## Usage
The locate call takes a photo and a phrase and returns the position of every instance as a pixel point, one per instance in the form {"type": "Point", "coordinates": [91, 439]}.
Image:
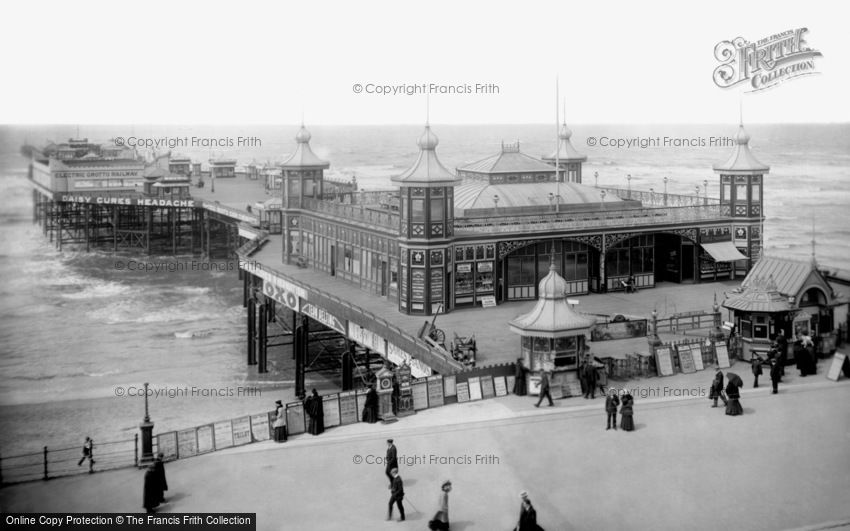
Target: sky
{"type": "Point", "coordinates": [252, 62]}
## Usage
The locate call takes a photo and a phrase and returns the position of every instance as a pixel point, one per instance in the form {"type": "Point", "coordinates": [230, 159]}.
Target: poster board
{"type": "Point", "coordinates": [696, 354]}
{"type": "Point", "coordinates": [361, 402]}
{"type": "Point", "coordinates": [487, 389]}
{"type": "Point", "coordinates": [722, 355]}
{"type": "Point", "coordinates": [556, 391]}
{"type": "Point", "coordinates": [450, 385]}
{"type": "Point", "coordinates": [223, 433]}
{"type": "Point", "coordinates": [205, 439]}
{"type": "Point", "coordinates": [187, 443]}
{"type": "Point", "coordinates": [295, 418]}
{"type": "Point", "coordinates": [533, 384]}
{"type": "Point", "coordinates": [435, 391]}
{"type": "Point", "coordinates": [686, 359]}
{"type": "Point", "coordinates": [510, 382]}
{"type": "Point", "coordinates": [500, 386]}
{"type": "Point", "coordinates": [571, 385]}
{"type": "Point", "coordinates": [348, 411]}
{"type": "Point", "coordinates": [834, 372]}
{"type": "Point", "coordinates": [463, 392]}
{"type": "Point", "coordinates": [330, 406]}
{"type": "Point", "coordinates": [166, 444]}
{"type": "Point", "coordinates": [241, 429]}
{"type": "Point", "coordinates": [420, 395]}
{"type": "Point", "coordinates": [664, 361]}
{"type": "Point", "coordinates": [475, 388]}
{"type": "Point", "coordinates": [261, 427]}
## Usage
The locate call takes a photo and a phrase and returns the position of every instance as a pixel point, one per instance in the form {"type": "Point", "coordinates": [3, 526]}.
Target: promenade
{"type": "Point", "coordinates": [782, 465]}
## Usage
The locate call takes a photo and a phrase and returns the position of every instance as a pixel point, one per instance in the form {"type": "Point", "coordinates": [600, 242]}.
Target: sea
{"type": "Point", "coordinates": [74, 329]}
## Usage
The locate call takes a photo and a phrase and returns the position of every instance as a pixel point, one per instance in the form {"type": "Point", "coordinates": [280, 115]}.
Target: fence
{"type": "Point", "coordinates": [58, 462]}
{"type": "Point", "coordinates": [339, 409]}
{"type": "Point", "coordinates": [685, 321]}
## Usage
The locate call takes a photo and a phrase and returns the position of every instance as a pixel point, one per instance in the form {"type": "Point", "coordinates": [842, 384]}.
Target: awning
{"type": "Point", "coordinates": [723, 252]}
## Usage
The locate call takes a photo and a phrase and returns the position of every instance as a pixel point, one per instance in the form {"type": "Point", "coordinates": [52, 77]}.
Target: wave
{"type": "Point", "coordinates": [191, 334]}
{"type": "Point", "coordinates": [98, 290]}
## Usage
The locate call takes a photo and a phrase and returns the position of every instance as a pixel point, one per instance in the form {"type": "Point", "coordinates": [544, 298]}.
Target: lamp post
{"type": "Point", "coordinates": [603, 193]}
{"type": "Point", "coordinates": [696, 188]}
{"type": "Point", "coordinates": [705, 185]}
{"type": "Point", "coordinates": [652, 196]}
{"type": "Point", "coordinates": [496, 200]}
{"type": "Point", "coordinates": [596, 179]}
{"type": "Point", "coordinates": [629, 179]}
{"type": "Point", "coordinates": [665, 191]}
{"type": "Point", "coordinates": [146, 428]}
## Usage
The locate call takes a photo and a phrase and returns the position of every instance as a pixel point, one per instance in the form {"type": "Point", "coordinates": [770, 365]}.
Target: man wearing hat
{"type": "Point", "coordinates": [527, 515]}
{"type": "Point", "coordinates": [396, 495]}
{"type": "Point", "coordinates": [391, 461]}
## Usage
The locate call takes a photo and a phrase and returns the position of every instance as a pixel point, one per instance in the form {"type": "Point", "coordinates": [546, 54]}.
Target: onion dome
{"type": "Point", "coordinates": [427, 170]}
{"type": "Point", "coordinates": [553, 285]}
{"type": "Point", "coordinates": [566, 152]}
{"type": "Point", "coordinates": [303, 157]}
{"type": "Point", "coordinates": [742, 160]}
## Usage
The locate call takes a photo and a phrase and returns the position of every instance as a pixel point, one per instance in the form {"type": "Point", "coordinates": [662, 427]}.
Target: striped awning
{"type": "Point", "coordinates": [723, 252]}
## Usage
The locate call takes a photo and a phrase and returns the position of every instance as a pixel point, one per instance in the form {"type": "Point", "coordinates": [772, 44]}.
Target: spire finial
{"type": "Point", "coordinates": [741, 110]}
{"type": "Point", "coordinates": [427, 110]}
{"type": "Point", "coordinates": [552, 266]}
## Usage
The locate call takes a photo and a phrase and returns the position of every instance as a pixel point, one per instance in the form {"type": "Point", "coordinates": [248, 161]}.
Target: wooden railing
{"type": "Point", "coordinates": [372, 216]}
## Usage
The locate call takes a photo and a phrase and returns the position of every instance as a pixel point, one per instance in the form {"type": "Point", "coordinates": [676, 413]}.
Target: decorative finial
{"type": "Point", "coordinates": [741, 110]}
{"type": "Point", "coordinates": [427, 110]}
{"type": "Point", "coordinates": [552, 266]}
{"type": "Point", "coordinates": [814, 260]}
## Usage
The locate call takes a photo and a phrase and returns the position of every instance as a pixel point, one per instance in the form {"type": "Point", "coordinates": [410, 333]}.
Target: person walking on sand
{"type": "Point", "coordinates": [88, 453]}
{"type": "Point", "coordinates": [544, 389]}
{"type": "Point", "coordinates": [391, 461]}
{"type": "Point", "coordinates": [396, 496]}
{"type": "Point", "coordinates": [441, 519]}
{"type": "Point", "coordinates": [279, 422]}
{"type": "Point", "coordinates": [717, 388]}
{"type": "Point", "coordinates": [612, 401]}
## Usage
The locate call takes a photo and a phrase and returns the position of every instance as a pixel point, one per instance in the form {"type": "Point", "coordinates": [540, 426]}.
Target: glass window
{"type": "Point", "coordinates": [741, 193]}
{"type": "Point", "coordinates": [437, 209]}
{"type": "Point", "coordinates": [417, 210]}
{"type": "Point", "coordinates": [726, 193]}
{"type": "Point", "coordinates": [756, 192]}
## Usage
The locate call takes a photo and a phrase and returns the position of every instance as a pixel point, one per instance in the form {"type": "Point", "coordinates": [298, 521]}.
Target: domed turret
{"type": "Point", "coordinates": [428, 140]}
{"type": "Point", "coordinates": [303, 135]}
{"type": "Point", "coordinates": [553, 285]}
{"type": "Point", "coordinates": [742, 137]}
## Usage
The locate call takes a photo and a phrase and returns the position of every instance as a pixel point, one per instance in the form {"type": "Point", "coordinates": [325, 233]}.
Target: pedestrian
{"type": "Point", "coordinates": [315, 410]}
{"type": "Point", "coordinates": [391, 461]}
{"type": "Point", "coordinates": [279, 422]}
{"type": "Point", "coordinates": [88, 453]}
{"type": "Point", "coordinates": [717, 388]}
{"type": "Point", "coordinates": [441, 519]}
{"type": "Point", "coordinates": [396, 495]}
{"type": "Point", "coordinates": [782, 349]}
{"type": "Point", "coordinates": [590, 379]}
{"type": "Point", "coordinates": [544, 389]}
{"type": "Point", "coordinates": [733, 406]}
{"type": "Point", "coordinates": [527, 515]}
{"type": "Point", "coordinates": [611, 403]}
{"type": "Point", "coordinates": [755, 361]}
{"type": "Point", "coordinates": [627, 421]}
{"type": "Point", "coordinates": [775, 375]}
{"type": "Point", "coordinates": [370, 408]}
{"type": "Point", "coordinates": [150, 491]}
{"type": "Point", "coordinates": [159, 468]}
{"type": "Point", "coordinates": [519, 382]}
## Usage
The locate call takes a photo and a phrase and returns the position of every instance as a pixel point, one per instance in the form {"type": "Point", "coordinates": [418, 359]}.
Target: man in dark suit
{"type": "Point", "coordinates": [775, 375]}
{"type": "Point", "coordinates": [391, 461]}
{"type": "Point", "coordinates": [782, 349]}
{"type": "Point", "coordinates": [590, 378]}
{"type": "Point", "coordinates": [396, 495]}
{"type": "Point", "coordinates": [544, 389]}
{"type": "Point", "coordinates": [612, 401]}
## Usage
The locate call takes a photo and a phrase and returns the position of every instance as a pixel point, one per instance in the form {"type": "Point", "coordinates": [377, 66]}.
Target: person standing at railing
{"type": "Point", "coordinates": [159, 468]}
{"type": "Point", "coordinates": [151, 493]}
{"type": "Point", "coordinates": [279, 422]}
{"type": "Point", "coordinates": [88, 453]}
{"type": "Point", "coordinates": [315, 410]}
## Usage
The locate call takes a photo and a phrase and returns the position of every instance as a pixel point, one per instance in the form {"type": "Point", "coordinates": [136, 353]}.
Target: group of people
{"type": "Point", "coordinates": [612, 401]}
{"type": "Point", "coordinates": [155, 485]}
{"type": "Point", "coordinates": [731, 398]}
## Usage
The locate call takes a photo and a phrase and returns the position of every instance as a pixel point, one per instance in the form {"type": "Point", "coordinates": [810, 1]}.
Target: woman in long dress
{"type": "Point", "coordinates": [441, 519]}
{"type": "Point", "coordinates": [733, 406]}
{"type": "Point", "coordinates": [279, 422]}
{"type": "Point", "coordinates": [627, 422]}
{"type": "Point", "coordinates": [370, 408]}
{"type": "Point", "coordinates": [315, 410]}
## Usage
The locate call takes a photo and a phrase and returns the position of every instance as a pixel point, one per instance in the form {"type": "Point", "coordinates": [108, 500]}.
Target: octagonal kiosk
{"type": "Point", "coordinates": [554, 337]}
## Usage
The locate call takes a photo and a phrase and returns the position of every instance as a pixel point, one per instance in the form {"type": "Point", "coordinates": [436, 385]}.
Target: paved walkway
{"type": "Point", "coordinates": [781, 465]}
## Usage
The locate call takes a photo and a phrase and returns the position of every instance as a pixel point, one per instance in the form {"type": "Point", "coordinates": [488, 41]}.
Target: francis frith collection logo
{"type": "Point", "coordinates": [765, 63]}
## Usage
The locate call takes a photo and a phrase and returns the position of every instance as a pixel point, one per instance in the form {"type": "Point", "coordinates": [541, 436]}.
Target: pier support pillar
{"type": "Point", "coordinates": [262, 336]}
{"type": "Point", "coordinates": [245, 289]}
{"type": "Point", "coordinates": [252, 323]}
{"type": "Point", "coordinates": [299, 349]}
